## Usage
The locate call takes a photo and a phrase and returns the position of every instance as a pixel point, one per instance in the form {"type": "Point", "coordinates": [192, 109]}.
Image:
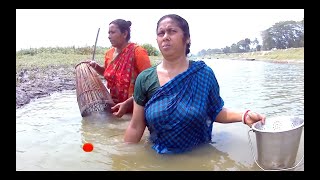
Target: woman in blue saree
{"type": "Point", "coordinates": [179, 99]}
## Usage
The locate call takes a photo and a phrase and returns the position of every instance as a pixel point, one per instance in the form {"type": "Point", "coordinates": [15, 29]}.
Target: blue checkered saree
{"type": "Point", "coordinates": [180, 114]}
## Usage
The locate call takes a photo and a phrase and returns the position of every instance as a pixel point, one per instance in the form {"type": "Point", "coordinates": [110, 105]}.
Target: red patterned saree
{"type": "Point", "coordinates": [121, 72]}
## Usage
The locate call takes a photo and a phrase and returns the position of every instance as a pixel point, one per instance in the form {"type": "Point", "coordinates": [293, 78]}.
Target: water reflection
{"type": "Point", "coordinates": [283, 88]}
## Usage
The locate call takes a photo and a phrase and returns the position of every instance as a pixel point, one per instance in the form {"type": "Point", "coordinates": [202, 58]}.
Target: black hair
{"type": "Point", "coordinates": [123, 26]}
{"type": "Point", "coordinates": [183, 24]}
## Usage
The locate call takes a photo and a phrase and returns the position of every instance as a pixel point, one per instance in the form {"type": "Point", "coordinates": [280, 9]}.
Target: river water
{"type": "Point", "coordinates": [50, 131]}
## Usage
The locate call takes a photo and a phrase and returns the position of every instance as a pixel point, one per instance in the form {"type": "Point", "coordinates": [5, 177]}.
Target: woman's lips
{"type": "Point", "coordinates": [166, 46]}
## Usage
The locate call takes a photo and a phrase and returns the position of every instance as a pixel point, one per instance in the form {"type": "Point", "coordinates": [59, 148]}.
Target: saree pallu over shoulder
{"type": "Point", "coordinates": [180, 114]}
{"type": "Point", "coordinates": [120, 74]}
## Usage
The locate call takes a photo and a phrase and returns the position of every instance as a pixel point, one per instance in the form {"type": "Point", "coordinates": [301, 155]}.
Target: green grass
{"type": "Point", "coordinates": [278, 55]}
{"type": "Point", "coordinates": [44, 60]}
{"type": "Point", "coordinates": [49, 60]}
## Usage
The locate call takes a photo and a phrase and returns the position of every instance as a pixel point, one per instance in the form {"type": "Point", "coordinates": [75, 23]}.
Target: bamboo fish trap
{"type": "Point", "coordinates": [92, 95]}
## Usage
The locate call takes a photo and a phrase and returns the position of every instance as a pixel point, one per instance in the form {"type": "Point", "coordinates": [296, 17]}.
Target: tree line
{"type": "Point", "coordinates": [282, 35]}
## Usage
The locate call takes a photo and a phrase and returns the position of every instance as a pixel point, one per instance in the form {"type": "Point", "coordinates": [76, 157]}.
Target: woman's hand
{"type": "Point", "coordinates": [119, 109]}
{"type": "Point", "coordinates": [122, 108]}
{"type": "Point", "coordinates": [92, 63]}
{"type": "Point", "coordinates": [253, 117]}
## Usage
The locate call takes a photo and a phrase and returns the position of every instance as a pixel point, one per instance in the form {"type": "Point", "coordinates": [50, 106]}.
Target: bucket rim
{"type": "Point", "coordinates": [253, 127]}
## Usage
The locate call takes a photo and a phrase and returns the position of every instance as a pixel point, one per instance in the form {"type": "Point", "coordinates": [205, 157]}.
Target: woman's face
{"type": "Point", "coordinates": [170, 38]}
{"type": "Point", "coordinates": [117, 39]}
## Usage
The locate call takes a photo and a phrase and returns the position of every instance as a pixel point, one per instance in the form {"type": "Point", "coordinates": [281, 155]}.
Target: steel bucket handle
{"type": "Point", "coordinates": [255, 160]}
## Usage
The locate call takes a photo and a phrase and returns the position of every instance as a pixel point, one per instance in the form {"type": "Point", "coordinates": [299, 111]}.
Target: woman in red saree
{"type": "Point", "coordinates": [123, 62]}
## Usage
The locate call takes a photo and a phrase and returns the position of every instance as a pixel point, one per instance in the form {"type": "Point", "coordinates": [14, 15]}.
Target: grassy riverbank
{"type": "Point", "coordinates": [46, 60]}
{"type": "Point", "coordinates": [49, 60]}
{"type": "Point", "coordinates": [41, 74]}
{"type": "Point", "coordinates": [43, 61]}
{"type": "Point", "coordinates": [292, 54]}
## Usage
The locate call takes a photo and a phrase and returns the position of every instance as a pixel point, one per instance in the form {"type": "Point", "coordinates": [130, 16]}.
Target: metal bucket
{"type": "Point", "coordinates": [277, 142]}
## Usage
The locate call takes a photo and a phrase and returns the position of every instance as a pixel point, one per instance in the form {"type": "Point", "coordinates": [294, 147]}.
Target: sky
{"type": "Point", "coordinates": [209, 28]}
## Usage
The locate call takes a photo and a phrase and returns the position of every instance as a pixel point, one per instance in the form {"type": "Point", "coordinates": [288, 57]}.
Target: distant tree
{"type": "Point", "coordinates": [258, 47]}
{"type": "Point", "coordinates": [152, 51]}
{"type": "Point", "coordinates": [217, 51]}
{"type": "Point", "coordinates": [202, 52]}
{"type": "Point", "coordinates": [235, 48]}
{"type": "Point", "coordinates": [283, 35]}
{"type": "Point", "coordinates": [244, 45]}
{"type": "Point", "coordinates": [226, 50]}
{"type": "Point", "coordinates": [254, 45]}
{"type": "Point", "coordinates": [247, 44]}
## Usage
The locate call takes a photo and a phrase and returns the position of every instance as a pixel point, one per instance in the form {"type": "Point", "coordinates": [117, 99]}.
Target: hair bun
{"type": "Point", "coordinates": [129, 23]}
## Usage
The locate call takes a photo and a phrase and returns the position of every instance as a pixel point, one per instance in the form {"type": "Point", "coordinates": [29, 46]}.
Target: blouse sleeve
{"type": "Point", "coordinates": [139, 90]}
{"type": "Point", "coordinates": [142, 59]}
{"type": "Point", "coordinates": [108, 56]}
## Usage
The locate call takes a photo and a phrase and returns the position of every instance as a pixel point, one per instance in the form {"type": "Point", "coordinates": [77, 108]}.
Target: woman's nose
{"type": "Point", "coordinates": [166, 36]}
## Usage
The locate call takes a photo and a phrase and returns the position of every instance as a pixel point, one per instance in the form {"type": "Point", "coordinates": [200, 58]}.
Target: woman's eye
{"type": "Point", "coordinates": [160, 33]}
{"type": "Point", "coordinates": [169, 32]}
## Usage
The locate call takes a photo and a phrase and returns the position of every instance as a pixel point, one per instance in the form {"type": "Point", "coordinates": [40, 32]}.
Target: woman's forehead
{"type": "Point", "coordinates": [113, 26]}
{"type": "Point", "coordinates": [167, 22]}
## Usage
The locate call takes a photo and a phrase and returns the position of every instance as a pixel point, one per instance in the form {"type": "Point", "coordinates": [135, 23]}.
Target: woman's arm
{"type": "Point", "coordinates": [230, 116]}
{"type": "Point", "coordinates": [136, 126]}
{"type": "Point", "coordinates": [99, 69]}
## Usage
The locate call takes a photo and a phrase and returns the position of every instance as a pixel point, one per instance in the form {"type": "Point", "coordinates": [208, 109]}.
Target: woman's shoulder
{"type": "Point", "coordinates": [149, 72]}
{"type": "Point", "coordinates": [198, 63]}
{"type": "Point", "coordinates": [140, 51]}
{"type": "Point", "coordinates": [139, 48]}
{"type": "Point", "coordinates": [110, 51]}
{"type": "Point", "coordinates": [201, 63]}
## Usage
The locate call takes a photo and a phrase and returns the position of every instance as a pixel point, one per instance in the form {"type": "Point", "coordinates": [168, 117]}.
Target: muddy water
{"type": "Point", "coordinates": [50, 131]}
